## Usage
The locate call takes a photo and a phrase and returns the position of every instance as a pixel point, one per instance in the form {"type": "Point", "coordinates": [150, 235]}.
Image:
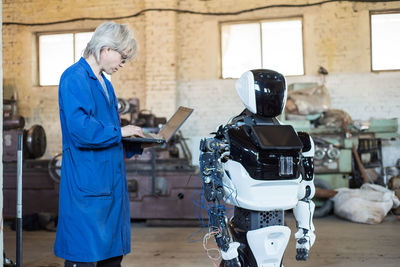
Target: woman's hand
{"type": "Point", "coordinates": [131, 130]}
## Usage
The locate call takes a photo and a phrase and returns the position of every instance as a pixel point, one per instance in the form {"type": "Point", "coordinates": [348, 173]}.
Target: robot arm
{"type": "Point", "coordinates": [212, 151]}
{"type": "Point", "coordinates": [304, 210]}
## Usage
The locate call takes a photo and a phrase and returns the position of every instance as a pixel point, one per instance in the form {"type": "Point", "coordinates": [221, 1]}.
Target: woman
{"type": "Point", "coordinates": [94, 221]}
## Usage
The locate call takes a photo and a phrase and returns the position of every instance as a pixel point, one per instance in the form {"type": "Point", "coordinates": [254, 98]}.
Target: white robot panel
{"type": "Point", "coordinates": [243, 191]}
{"type": "Point", "coordinates": [268, 244]}
{"type": "Point", "coordinates": [248, 97]}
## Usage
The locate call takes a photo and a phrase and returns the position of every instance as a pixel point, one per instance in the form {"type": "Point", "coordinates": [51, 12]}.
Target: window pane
{"type": "Point", "coordinates": [81, 40]}
{"type": "Point", "coordinates": [56, 54]}
{"type": "Point", "coordinates": [385, 34]}
{"type": "Point", "coordinates": [282, 44]}
{"type": "Point", "coordinates": [241, 50]}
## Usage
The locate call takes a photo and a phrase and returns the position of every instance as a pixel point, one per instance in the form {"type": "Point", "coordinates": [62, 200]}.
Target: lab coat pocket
{"type": "Point", "coordinates": [98, 180]}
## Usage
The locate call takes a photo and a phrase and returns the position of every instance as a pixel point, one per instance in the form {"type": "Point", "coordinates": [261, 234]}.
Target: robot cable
{"type": "Point", "coordinates": [212, 232]}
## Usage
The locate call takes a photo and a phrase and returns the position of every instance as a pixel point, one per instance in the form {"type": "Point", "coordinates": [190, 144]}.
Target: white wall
{"type": "Point", "coordinates": [362, 95]}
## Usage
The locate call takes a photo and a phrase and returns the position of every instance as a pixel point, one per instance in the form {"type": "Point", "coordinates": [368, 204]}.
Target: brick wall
{"type": "Point", "coordinates": [179, 58]}
{"type": "Point", "coordinates": [39, 105]}
{"type": "Point", "coordinates": [161, 50]}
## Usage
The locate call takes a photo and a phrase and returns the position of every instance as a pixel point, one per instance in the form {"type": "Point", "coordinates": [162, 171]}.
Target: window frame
{"type": "Point", "coordinates": [37, 41]}
{"type": "Point", "coordinates": [379, 12]}
{"type": "Point", "coordinates": [260, 21]}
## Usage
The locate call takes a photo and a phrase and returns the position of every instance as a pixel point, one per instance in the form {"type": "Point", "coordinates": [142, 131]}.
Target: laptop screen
{"type": "Point", "coordinates": [175, 122]}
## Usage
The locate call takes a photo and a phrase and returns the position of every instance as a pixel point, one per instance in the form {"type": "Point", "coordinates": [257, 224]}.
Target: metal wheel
{"type": "Point", "coordinates": [54, 168]}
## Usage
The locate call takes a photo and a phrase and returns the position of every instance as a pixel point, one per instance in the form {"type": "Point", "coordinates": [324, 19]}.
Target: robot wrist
{"type": "Point", "coordinates": [231, 252]}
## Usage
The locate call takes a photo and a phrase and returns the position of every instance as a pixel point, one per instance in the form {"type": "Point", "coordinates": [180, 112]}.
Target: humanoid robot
{"type": "Point", "coordinates": [262, 168]}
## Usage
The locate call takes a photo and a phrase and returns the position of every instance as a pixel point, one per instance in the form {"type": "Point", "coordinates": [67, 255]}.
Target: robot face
{"type": "Point", "coordinates": [263, 92]}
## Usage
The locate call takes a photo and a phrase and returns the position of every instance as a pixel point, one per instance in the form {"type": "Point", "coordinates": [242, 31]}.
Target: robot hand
{"type": "Point", "coordinates": [230, 256]}
{"type": "Point", "coordinates": [304, 240]}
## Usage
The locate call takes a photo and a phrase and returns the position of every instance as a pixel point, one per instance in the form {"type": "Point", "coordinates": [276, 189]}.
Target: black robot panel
{"type": "Point", "coordinates": [263, 164]}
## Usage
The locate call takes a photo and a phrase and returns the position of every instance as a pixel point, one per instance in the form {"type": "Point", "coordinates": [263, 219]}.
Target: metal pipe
{"type": "Point", "coordinates": [359, 164]}
{"type": "Point", "coordinates": [19, 202]}
{"type": "Point", "coordinates": [153, 171]}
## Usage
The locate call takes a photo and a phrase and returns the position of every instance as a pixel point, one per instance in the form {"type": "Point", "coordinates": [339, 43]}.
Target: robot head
{"type": "Point", "coordinates": [263, 92]}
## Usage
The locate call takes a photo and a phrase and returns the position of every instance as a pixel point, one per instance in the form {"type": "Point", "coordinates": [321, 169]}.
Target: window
{"type": "Point", "coordinates": [57, 52]}
{"type": "Point", "coordinates": [273, 44]}
{"type": "Point", "coordinates": [385, 41]}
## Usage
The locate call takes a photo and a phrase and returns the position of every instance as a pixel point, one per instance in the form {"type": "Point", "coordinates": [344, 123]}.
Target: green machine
{"type": "Point", "coordinates": [337, 147]}
{"type": "Point", "coordinates": [335, 163]}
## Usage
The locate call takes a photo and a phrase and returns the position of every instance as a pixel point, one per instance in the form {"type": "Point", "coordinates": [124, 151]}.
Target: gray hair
{"type": "Point", "coordinates": [113, 35]}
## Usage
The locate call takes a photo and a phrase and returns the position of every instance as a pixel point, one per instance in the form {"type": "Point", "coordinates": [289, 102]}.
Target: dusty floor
{"type": "Point", "coordinates": [339, 243]}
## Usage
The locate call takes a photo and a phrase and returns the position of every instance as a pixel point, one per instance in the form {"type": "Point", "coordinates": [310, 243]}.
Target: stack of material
{"type": "Point", "coordinates": [369, 204]}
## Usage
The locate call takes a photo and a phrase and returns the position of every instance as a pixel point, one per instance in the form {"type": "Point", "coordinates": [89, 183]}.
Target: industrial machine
{"type": "Point", "coordinates": [161, 186]}
{"type": "Point", "coordinates": [161, 181]}
{"type": "Point", "coordinates": [37, 184]}
{"type": "Point", "coordinates": [346, 151]}
{"type": "Point", "coordinates": [13, 124]}
{"type": "Point", "coordinates": [130, 112]}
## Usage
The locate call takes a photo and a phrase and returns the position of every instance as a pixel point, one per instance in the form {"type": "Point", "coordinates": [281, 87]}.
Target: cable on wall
{"type": "Point", "coordinates": [184, 11]}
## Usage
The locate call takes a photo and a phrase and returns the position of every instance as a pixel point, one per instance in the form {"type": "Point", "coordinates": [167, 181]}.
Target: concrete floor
{"type": "Point", "coordinates": [339, 243]}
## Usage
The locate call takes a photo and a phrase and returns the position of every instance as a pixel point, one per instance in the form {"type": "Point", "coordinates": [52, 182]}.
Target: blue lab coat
{"type": "Point", "coordinates": [94, 220]}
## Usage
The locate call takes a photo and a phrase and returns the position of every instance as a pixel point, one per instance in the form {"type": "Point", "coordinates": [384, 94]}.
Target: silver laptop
{"type": "Point", "coordinates": [167, 131]}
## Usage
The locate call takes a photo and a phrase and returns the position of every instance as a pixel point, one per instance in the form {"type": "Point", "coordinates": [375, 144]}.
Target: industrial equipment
{"type": "Point", "coordinates": [37, 185]}
{"type": "Point", "coordinates": [346, 151]}
{"type": "Point", "coordinates": [34, 138]}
